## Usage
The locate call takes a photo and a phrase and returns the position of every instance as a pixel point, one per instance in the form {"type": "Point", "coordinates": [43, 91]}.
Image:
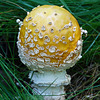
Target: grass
{"type": "Point", "coordinates": [85, 84]}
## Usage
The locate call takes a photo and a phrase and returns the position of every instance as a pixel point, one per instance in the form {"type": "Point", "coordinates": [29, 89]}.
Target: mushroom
{"type": "Point", "coordinates": [49, 42]}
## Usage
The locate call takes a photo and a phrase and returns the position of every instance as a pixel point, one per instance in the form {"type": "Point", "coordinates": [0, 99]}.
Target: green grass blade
{"type": "Point", "coordinates": [92, 43]}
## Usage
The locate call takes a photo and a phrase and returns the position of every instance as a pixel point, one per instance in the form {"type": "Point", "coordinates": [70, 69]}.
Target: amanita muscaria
{"type": "Point", "coordinates": [49, 42]}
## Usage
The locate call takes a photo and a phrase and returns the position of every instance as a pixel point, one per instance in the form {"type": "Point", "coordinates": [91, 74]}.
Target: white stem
{"type": "Point", "coordinates": [50, 84]}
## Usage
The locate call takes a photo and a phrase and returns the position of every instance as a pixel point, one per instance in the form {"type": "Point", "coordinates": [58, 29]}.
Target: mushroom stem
{"type": "Point", "coordinates": [50, 84]}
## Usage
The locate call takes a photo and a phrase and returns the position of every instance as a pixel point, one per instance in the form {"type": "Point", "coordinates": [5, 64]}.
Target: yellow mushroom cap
{"type": "Point", "coordinates": [49, 39]}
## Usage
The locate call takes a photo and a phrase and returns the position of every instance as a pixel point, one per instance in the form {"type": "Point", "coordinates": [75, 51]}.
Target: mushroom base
{"type": "Point", "coordinates": [51, 93]}
{"type": "Point", "coordinates": [50, 84]}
